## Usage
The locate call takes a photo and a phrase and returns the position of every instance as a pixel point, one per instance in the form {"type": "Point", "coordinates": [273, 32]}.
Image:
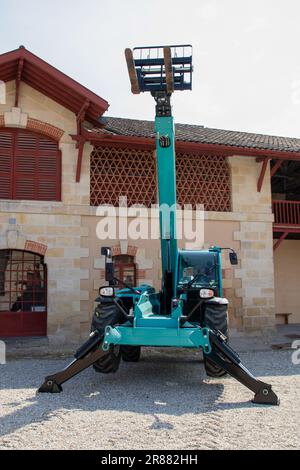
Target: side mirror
{"type": "Point", "coordinates": [233, 258]}
{"type": "Point", "coordinates": [106, 251]}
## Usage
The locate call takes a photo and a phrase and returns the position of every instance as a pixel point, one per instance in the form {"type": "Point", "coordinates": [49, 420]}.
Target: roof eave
{"type": "Point", "coordinates": [98, 104]}
{"type": "Point", "coordinates": [98, 138]}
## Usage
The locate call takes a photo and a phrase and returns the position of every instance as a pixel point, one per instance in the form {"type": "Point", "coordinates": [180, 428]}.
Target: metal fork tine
{"type": "Point", "coordinates": [168, 69]}
{"type": "Point", "coordinates": [132, 72]}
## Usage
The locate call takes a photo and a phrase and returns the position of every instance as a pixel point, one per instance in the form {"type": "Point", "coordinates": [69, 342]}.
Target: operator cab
{"type": "Point", "coordinates": [198, 269]}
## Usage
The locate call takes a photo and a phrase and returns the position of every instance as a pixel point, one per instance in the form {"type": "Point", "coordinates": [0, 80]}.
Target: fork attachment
{"type": "Point", "coordinates": [224, 356]}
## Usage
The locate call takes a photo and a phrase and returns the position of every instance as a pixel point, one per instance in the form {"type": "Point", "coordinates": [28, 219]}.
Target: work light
{"type": "Point", "coordinates": [206, 293]}
{"type": "Point", "coordinates": [107, 291]}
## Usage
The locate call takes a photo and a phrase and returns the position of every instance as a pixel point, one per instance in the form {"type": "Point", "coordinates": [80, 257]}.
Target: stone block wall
{"type": "Point", "coordinates": [67, 227]}
{"type": "Point", "coordinates": [256, 271]}
{"type": "Point", "coordinates": [61, 234]}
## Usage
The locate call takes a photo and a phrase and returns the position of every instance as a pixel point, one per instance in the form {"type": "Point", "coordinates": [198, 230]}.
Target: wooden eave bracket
{"type": "Point", "coordinates": [81, 115]}
{"type": "Point", "coordinates": [276, 167]}
{"type": "Point", "coordinates": [263, 170]}
{"type": "Point", "coordinates": [18, 80]}
{"type": "Point", "coordinates": [80, 139]}
{"type": "Point", "coordinates": [280, 240]}
{"type": "Point", "coordinates": [265, 161]}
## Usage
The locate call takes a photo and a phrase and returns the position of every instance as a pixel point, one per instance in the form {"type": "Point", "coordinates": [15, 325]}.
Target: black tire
{"type": "Point", "coordinates": [107, 313]}
{"type": "Point", "coordinates": [216, 319]}
{"type": "Point", "coordinates": [212, 370]}
{"type": "Point", "coordinates": [110, 362]}
{"type": "Point", "coordinates": [131, 353]}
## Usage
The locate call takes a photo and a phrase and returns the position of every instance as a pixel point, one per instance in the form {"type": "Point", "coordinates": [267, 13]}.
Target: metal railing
{"type": "Point", "coordinates": [287, 212]}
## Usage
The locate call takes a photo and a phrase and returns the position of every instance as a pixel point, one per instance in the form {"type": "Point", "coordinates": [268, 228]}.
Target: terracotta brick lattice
{"type": "Point", "coordinates": [203, 179]}
{"type": "Point", "coordinates": [117, 172]}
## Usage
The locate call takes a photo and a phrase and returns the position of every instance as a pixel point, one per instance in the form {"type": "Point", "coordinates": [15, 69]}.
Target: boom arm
{"type": "Point", "coordinates": [166, 177]}
{"type": "Point", "coordinates": [161, 75]}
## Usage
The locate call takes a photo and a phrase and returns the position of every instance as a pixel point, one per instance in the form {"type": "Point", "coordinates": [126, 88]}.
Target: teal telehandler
{"type": "Point", "coordinates": [189, 311]}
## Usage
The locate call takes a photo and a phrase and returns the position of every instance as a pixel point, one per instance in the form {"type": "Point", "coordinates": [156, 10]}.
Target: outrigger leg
{"type": "Point", "coordinates": [222, 355]}
{"type": "Point", "coordinates": [85, 356]}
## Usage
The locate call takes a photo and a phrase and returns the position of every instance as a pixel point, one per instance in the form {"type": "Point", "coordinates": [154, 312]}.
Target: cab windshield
{"type": "Point", "coordinates": [201, 266]}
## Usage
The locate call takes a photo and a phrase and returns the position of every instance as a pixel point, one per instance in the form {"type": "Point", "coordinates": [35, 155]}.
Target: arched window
{"type": "Point", "coordinates": [125, 269]}
{"type": "Point", "coordinates": [30, 166]}
{"type": "Point", "coordinates": [23, 294]}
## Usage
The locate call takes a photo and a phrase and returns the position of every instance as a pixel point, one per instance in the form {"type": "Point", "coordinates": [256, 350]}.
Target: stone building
{"type": "Point", "coordinates": [60, 159]}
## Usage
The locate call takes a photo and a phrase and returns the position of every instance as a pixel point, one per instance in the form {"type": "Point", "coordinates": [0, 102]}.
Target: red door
{"type": "Point", "coordinates": [23, 294]}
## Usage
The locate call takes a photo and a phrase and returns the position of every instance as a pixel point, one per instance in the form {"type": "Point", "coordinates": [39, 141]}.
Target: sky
{"type": "Point", "coordinates": [245, 54]}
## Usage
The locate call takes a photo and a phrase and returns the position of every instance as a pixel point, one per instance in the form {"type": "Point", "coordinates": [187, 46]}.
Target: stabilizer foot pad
{"type": "Point", "coordinates": [50, 386]}
{"type": "Point", "coordinates": [266, 396]}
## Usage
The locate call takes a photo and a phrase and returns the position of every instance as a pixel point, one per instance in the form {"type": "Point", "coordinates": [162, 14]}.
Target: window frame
{"type": "Point", "coordinates": [24, 322]}
{"type": "Point", "coordinates": [121, 266]}
{"type": "Point", "coordinates": [13, 152]}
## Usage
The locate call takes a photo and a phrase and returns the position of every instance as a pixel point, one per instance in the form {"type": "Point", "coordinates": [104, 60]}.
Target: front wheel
{"type": "Point", "coordinates": [107, 314]}
{"type": "Point", "coordinates": [215, 318]}
{"type": "Point", "coordinates": [110, 362]}
{"type": "Point", "coordinates": [131, 353]}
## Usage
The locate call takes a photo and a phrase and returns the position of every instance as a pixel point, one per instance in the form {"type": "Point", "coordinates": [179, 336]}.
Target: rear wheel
{"type": "Point", "coordinates": [110, 362]}
{"type": "Point", "coordinates": [217, 319]}
{"type": "Point", "coordinates": [131, 353]}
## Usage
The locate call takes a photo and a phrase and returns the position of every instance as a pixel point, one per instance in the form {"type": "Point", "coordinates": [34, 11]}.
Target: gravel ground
{"type": "Point", "coordinates": [163, 402]}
